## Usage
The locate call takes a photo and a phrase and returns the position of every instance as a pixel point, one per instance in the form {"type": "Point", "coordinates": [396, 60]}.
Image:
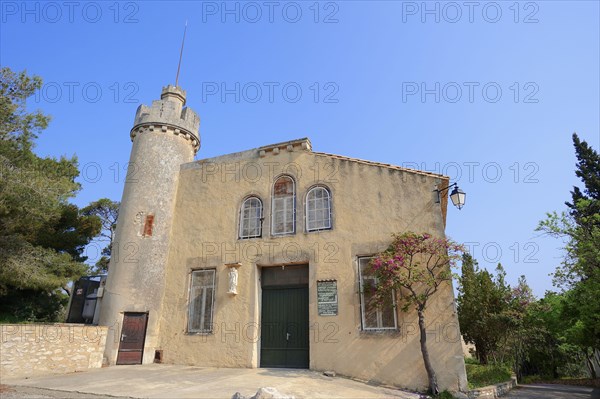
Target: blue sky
{"type": "Point", "coordinates": [486, 92]}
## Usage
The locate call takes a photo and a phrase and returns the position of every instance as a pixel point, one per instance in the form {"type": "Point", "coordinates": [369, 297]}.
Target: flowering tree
{"type": "Point", "coordinates": [416, 265]}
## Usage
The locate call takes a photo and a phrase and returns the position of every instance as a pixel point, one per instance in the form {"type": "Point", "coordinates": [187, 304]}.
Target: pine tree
{"type": "Point", "coordinates": [42, 235]}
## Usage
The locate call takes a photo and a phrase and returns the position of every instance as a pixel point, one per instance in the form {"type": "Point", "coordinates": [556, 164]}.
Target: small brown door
{"type": "Point", "coordinates": [133, 335]}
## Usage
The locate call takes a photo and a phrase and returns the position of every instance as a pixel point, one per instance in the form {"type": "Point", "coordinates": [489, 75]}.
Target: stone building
{"type": "Point", "coordinates": [257, 258]}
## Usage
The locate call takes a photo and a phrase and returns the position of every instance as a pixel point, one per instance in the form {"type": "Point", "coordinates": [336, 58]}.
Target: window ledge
{"type": "Point", "coordinates": [319, 230]}
{"type": "Point", "coordinates": [375, 333]}
{"type": "Point", "coordinates": [199, 333]}
{"type": "Point", "coordinates": [282, 235]}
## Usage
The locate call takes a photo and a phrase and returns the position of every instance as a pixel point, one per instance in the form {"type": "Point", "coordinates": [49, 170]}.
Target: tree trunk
{"type": "Point", "coordinates": [433, 385]}
{"type": "Point", "coordinates": [590, 364]}
{"type": "Point", "coordinates": [595, 361]}
{"type": "Point", "coordinates": [482, 355]}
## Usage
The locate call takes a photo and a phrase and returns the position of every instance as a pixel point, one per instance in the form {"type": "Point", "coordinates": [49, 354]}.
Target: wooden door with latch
{"type": "Point", "coordinates": [133, 336]}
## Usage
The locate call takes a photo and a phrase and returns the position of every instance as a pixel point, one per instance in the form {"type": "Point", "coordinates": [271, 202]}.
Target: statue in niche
{"type": "Point", "coordinates": [233, 280]}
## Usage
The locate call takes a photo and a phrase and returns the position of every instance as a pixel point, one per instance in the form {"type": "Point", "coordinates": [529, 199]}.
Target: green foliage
{"type": "Point", "coordinates": [480, 375]}
{"type": "Point", "coordinates": [101, 266]}
{"type": "Point", "coordinates": [555, 336]}
{"type": "Point", "coordinates": [70, 233]}
{"type": "Point", "coordinates": [580, 227]}
{"type": "Point", "coordinates": [509, 326]}
{"type": "Point", "coordinates": [588, 170]}
{"type": "Point", "coordinates": [482, 307]}
{"type": "Point", "coordinates": [33, 306]}
{"type": "Point", "coordinates": [18, 126]}
{"type": "Point", "coordinates": [444, 395]}
{"type": "Point", "coordinates": [471, 360]}
{"type": "Point", "coordinates": [42, 236]}
{"type": "Point", "coordinates": [579, 274]}
{"type": "Point", "coordinates": [108, 212]}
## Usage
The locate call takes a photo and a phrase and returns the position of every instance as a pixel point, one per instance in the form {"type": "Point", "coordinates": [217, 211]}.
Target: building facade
{"type": "Point", "coordinates": [258, 259]}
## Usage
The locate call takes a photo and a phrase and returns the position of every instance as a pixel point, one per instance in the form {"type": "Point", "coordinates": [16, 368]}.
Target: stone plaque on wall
{"type": "Point", "coordinates": [327, 298]}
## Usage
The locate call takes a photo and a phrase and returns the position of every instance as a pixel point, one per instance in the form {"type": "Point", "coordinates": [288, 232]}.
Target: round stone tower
{"type": "Point", "coordinates": [165, 136]}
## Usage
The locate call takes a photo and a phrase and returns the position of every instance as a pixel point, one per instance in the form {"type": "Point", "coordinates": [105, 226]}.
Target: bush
{"type": "Point", "coordinates": [530, 379]}
{"type": "Point", "coordinates": [484, 375]}
{"type": "Point", "coordinates": [30, 306]}
{"type": "Point", "coordinates": [471, 360]}
{"type": "Point", "coordinates": [444, 395]}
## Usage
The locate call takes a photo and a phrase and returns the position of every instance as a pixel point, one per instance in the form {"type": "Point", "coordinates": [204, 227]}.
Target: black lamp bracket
{"type": "Point", "coordinates": [441, 190]}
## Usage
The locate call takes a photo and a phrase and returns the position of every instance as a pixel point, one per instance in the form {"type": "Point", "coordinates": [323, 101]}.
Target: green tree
{"type": "Point", "coordinates": [482, 307]}
{"type": "Point", "coordinates": [41, 235]}
{"type": "Point", "coordinates": [519, 333]}
{"type": "Point", "coordinates": [107, 211]}
{"type": "Point", "coordinates": [588, 170]}
{"type": "Point", "coordinates": [417, 265]}
{"type": "Point", "coordinates": [552, 337]}
{"type": "Point", "coordinates": [581, 319]}
{"type": "Point", "coordinates": [579, 273]}
{"type": "Point", "coordinates": [18, 126]}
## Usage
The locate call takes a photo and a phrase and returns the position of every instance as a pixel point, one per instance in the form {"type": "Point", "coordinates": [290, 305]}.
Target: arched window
{"type": "Point", "coordinates": [251, 215]}
{"type": "Point", "coordinates": [318, 209]}
{"type": "Point", "coordinates": [283, 217]}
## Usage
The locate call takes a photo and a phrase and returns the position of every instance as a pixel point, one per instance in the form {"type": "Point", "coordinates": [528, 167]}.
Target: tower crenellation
{"type": "Point", "coordinates": [170, 116]}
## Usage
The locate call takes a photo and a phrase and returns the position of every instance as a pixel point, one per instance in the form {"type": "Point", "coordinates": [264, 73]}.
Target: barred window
{"type": "Point", "coordinates": [283, 217]}
{"type": "Point", "coordinates": [318, 209]}
{"type": "Point", "coordinates": [251, 215]}
{"type": "Point", "coordinates": [374, 315]}
{"type": "Point", "coordinates": [202, 299]}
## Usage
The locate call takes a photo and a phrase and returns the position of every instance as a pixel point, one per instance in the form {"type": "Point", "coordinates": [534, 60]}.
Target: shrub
{"type": "Point", "coordinates": [484, 375]}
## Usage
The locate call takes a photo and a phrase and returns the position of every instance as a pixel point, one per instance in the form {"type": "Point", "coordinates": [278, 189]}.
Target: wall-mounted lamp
{"type": "Point", "coordinates": [457, 195]}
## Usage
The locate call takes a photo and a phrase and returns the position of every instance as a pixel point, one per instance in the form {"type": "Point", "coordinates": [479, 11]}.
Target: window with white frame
{"type": "Point", "coordinates": [374, 315]}
{"type": "Point", "coordinates": [251, 214]}
{"type": "Point", "coordinates": [318, 209]}
{"type": "Point", "coordinates": [202, 300]}
{"type": "Point", "coordinates": [283, 210]}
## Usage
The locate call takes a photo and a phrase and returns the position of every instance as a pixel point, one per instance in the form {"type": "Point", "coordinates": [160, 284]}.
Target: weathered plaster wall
{"type": "Point", "coordinates": [369, 203]}
{"type": "Point", "coordinates": [34, 349]}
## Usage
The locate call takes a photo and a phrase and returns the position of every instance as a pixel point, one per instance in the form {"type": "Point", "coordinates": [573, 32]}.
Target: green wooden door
{"type": "Point", "coordinates": [284, 327]}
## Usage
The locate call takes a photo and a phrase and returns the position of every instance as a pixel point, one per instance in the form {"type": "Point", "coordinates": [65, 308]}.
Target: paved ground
{"type": "Point", "coordinates": [547, 391]}
{"type": "Point", "coordinates": [20, 392]}
{"type": "Point", "coordinates": [169, 381]}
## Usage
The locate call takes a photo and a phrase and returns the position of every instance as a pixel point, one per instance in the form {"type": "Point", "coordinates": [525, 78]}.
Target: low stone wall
{"type": "Point", "coordinates": [493, 391]}
{"type": "Point", "coordinates": [36, 349]}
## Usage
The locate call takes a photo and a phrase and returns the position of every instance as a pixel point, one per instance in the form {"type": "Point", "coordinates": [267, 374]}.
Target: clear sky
{"type": "Point", "coordinates": [488, 93]}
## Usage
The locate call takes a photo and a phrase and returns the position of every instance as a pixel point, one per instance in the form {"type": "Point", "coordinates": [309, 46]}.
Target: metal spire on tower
{"type": "Point", "coordinates": [180, 54]}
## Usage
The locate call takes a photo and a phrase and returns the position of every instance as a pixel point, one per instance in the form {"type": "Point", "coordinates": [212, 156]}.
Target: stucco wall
{"type": "Point", "coordinates": [369, 203]}
{"type": "Point", "coordinates": [35, 349]}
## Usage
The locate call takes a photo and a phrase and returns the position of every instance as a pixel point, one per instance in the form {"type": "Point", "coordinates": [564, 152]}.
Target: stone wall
{"type": "Point", "coordinates": [35, 349]}
{"type": "Point", "coordinates": [493, 391]}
